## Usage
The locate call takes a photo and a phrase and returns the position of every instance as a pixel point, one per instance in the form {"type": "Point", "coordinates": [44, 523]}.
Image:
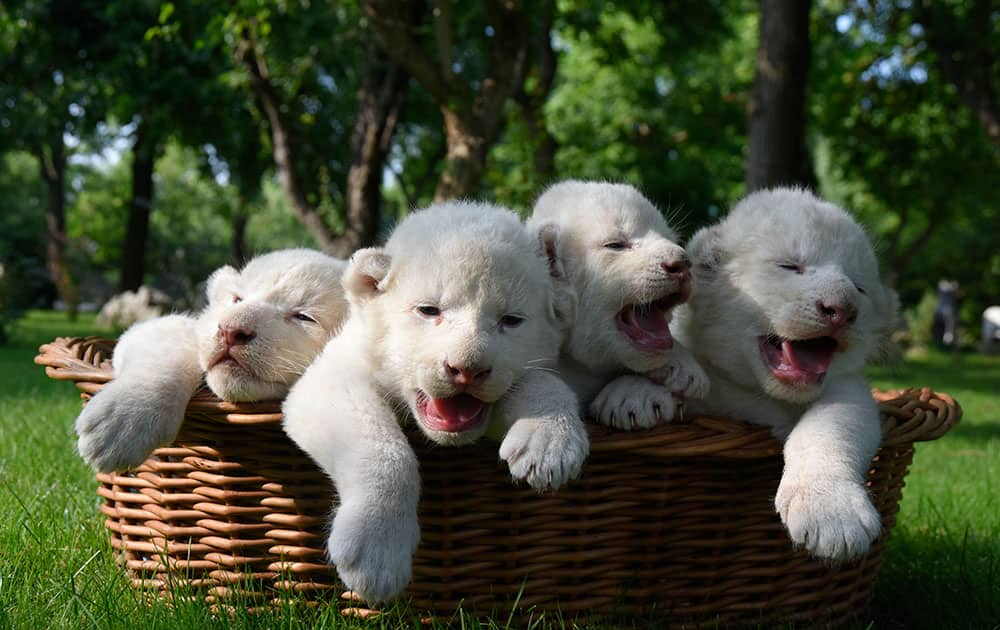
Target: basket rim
{"type": "Point", "coordinates": [908, 415]}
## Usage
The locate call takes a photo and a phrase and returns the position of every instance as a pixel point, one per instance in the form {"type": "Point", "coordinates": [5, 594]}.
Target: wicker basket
{"type": "Point", "coordinates": [677, 523]}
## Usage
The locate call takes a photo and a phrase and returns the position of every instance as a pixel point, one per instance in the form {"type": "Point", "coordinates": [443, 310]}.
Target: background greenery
{"type": "Point", "coordinates": [652, 93]}
{"type": "Point", "coordinates": [655, 94]}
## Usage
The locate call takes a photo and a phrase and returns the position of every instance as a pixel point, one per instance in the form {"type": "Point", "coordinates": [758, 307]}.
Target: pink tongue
{"type": "Point", "coordinates": [647, 328]}
{"type": "Point", "coordinates": [811, 357]}
{"type": "Point", "coordinates": [455, 413]}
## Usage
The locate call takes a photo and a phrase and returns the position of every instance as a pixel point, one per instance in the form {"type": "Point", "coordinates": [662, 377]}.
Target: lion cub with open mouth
{"type": "Point", "coordinates": [263, 325]}
{"type": "Point", "coordinates": [788, 307]}
{"type": "Point", "coordinates": [624, 273]}
{"type": "Point", "coordinates": [453, 324]}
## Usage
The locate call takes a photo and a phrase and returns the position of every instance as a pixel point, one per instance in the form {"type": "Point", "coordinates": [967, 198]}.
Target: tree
{"type": "Point", "coordinates": [895, 146]}
{"type": "Point", "coordinates": [380, 90]}
{"type": "Point", "coordinates": [964, 38]}
{"type": "Point", "coordinates": [652, 94]}
{"type": "Point", "coordinates": [777, 153]}
{"type": "Point", "coordinates": [470, 92]}
{"type": "Point", "coordinates": [46, 94]}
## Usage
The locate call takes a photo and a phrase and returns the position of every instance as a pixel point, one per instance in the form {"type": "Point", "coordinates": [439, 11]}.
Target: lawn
{"type": "Point", "coordinates": [57, 570]}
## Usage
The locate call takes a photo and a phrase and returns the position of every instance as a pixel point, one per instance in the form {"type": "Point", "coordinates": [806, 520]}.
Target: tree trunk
{"type": "Point", "coordinates": [777, 153]}
{"type": "Point", "coordinates": [532, 102]}
{"type": "Point", "coordinates": [465, 158]}
{"type": "Point", "coordinates": [238, 244]}
{"type": "Point", "coordinates": [133, 263]}
{"type": "Point", "coordinates": [380, 103]}
{"type": "Point", "coordinates": [52, 165]}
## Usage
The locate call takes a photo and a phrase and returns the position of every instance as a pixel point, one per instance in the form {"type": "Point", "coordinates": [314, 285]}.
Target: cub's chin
{"type": "Point", "coordinates": [234, 383]}
{"type": "Point", "coordinates": [454, 420]}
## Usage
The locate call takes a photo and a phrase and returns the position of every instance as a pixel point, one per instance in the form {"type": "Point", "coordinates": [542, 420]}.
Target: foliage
{"type": "Point", "coordinates": [23, 277]}
{"type": "Point", "coordinates": [669, 113]}
{"type": "Point", "coordinates": [898, 147]}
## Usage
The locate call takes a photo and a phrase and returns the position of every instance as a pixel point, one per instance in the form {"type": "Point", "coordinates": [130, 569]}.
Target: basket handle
{"type": "Point", "coordinates": [916, 415]}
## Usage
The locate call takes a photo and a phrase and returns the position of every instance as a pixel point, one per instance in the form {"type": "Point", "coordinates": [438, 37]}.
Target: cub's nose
{"type": "Point", "coordinates": [466, 375]}
{"type": "Point", "coordinates": [839, 315]}
{"type": "Point", "coordinates": [236, 335]}
{"type": "Point", "coordinates": [678, 269]}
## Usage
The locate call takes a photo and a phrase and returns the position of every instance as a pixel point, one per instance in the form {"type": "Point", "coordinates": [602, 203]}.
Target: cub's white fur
{"type": "Point", "coordinates": [262, 327]}
{"type": "Point", "coordinates": [453, 322]}
{"type": "Point", "coordinates": [625, 273]}
{"type": "Point", "coordinates": [789, 303]}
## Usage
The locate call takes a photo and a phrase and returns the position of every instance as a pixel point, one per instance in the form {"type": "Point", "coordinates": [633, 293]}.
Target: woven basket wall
{"type": "Point", "coordinates": [677, 522]}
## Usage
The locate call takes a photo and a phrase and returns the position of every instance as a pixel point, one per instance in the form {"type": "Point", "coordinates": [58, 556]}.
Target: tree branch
{"type": "Point", "coordinates": [395, 36]}
{"type": "Point", "coordinates": [507, 63]}
{"type": "Point", "coordinates": [283, 148]}
{"type": "Point", "coordinates": [442, 36]}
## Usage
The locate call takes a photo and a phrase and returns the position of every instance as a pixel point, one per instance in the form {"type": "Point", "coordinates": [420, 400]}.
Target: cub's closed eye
{"type": "Point", "coordinates": [428, 311]}
{"type": "Point", "coordinates": [860, 289]}
{"type": "Point", "coordinates": [302, 317]}
{"type": "Point", "coordinates": [511, 321]}
{"type": "Point", "coordinates": [792, 267]}
{"type": "Point", "coordinates": [237, 299]}
{"type": "Point", "coordinates": [617, 245]}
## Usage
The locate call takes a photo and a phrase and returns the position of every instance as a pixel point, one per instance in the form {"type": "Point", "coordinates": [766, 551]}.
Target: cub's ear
{"type": "Point", "coordinates": [705, 250]}
{"type": "Point", "coordinates": [221, 285]}
{"type": "Point", "coordinates": [365, 272]}
{"type": "Point", "coordinates": [563, 303]}
{"type": "Point", "coordinates": [550, 247]}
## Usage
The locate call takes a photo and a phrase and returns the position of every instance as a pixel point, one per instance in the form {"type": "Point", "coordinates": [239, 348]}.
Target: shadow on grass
{"type": "Point", "coordinates": [948, 580]}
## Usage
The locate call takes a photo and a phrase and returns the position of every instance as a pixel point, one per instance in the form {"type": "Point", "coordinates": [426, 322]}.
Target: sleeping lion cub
{"type": "Point", "coordinates": [624, 274]}
{"type": "Point", "coordinates": [788, 306]}
{"type": "Point", "coordinates": [452, 325]}
{"type": "Point", "coordinates": [262, 327]}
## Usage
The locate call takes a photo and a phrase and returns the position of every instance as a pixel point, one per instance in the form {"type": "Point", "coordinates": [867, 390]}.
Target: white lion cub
{"type": "Point", "coordinates": [446, 322]}
{"type": "Point", "coordinates": [789, 303]}
{"type": "Point", "coordinates": [625, 273]}
{"type": "Point", "coordinates": [262, 327]}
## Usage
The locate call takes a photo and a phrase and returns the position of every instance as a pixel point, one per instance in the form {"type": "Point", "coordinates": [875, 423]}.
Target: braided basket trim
{"type": "Point", "coordinates": [908, 415]}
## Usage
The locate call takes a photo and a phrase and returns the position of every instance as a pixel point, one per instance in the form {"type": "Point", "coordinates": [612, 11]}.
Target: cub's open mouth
{"type": "Point", "coordinates": [453, 414]}
{"type": "Point", "coordinates": [798, 361]}
{"type": "Point", "coordinates": [645, 325]}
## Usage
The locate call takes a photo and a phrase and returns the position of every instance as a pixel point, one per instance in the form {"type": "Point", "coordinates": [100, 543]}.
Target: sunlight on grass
{"type": "Point", "coordinates": [57, 569]}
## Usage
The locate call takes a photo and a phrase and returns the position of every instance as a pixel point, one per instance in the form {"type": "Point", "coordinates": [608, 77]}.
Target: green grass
{"type": "Point", "coordinates": [942, 569]}
{"type": "Point", "coordinates": [57, 570]}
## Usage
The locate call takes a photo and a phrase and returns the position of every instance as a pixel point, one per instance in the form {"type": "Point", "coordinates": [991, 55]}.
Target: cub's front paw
{"type": "Point", "coordinates": [546, 452]}
{"type": "Point", "coordinates": [633, 402]}
{"type": "Point", "coordinates": [832, 519]}
{"type": "Point", "coordinates": [373, 550]}
{"type": "Point", "coordinates": [123, 424]}
{"type": "Point", "coordinates": [686, 378]}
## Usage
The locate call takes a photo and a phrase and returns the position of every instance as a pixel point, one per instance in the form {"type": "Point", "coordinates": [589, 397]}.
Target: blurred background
{"type": "Point", "coordinates": [143, 144]}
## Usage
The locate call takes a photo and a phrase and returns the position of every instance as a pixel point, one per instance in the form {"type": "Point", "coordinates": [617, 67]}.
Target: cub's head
{"type": "Point", "coordinates": [788, 296]}
{"type": "Point", "coordinates": [457, 305]}
{"type": "Point", "coordinates": [625, 268]}
{"type": "Point", "coordinates": [266, 323]}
